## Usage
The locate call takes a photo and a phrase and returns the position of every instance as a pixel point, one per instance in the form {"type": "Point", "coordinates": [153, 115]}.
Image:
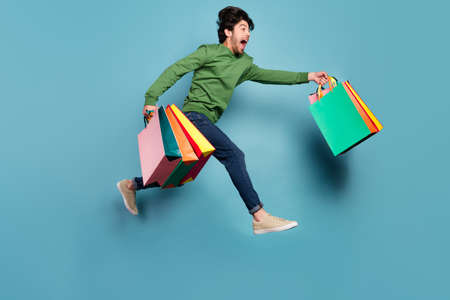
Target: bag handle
{"type": "Point", "coordinates": [148, 116]}
{"type": "Point", "coordinates": [332, 83]}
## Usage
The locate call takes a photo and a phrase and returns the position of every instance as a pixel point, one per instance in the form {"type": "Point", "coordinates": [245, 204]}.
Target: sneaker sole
{"type": "Point", "coordinates": [276, 229]}
{"type": "Point", "coordinates": [124, 200]}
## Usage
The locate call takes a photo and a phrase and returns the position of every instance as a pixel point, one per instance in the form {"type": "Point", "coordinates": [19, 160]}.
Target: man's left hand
{"type": "Point", "coordinates": [318, 77]}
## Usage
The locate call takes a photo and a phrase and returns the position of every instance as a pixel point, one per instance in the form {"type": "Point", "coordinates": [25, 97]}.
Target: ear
{"type": "Point", "coordinates": [228, 32]}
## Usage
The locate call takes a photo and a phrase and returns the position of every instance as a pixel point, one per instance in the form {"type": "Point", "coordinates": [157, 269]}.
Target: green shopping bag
{"type": "Point", "coordinates": [339, 121]}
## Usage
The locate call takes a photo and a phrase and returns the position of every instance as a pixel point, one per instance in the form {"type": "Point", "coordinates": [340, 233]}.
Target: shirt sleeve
{"type": "Point", "coordinates": [267, 76]}
{"type": "Point", "coordinates": [173, 73]}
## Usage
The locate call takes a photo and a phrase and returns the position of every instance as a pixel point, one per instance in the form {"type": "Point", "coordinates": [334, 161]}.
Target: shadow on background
{"type": "Point", "coordinates": [152, 199]}
{"type": "Point", "coordinates": [329, 172]}
{"type": "Point", "coordinates": [157, 200]}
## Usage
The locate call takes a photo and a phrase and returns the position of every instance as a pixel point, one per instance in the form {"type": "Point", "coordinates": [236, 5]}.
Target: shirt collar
{"type": "Point", "coordinates": [228, 50]}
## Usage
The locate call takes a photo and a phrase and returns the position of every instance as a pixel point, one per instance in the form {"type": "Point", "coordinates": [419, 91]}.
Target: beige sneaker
{"type": "Point", "coordinates": [128, 195]}
{"type": "Point", "coordinates": [271, 224]}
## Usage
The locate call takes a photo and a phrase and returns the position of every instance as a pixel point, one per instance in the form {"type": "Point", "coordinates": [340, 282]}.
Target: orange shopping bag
{"type": "Point", "coordinates": [202, 147]}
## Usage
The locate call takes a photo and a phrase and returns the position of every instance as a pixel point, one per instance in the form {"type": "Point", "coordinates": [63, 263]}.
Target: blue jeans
{"type": "Point", "coordinates": [229, 155]}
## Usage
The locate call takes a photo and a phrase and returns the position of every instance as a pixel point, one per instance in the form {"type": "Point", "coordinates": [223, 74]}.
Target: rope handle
{"type": "Point", "coordinates": [332, 83]}
{"type": "Point", "coordinates": [149, 114]}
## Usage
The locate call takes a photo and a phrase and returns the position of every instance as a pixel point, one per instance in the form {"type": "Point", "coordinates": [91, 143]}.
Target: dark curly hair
{"type": "Point", "coordinates": [230, 16]}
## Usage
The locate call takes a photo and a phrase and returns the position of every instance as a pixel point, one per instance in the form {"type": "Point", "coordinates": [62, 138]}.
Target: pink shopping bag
{"type": "Point", "coordinates": [156, 165]}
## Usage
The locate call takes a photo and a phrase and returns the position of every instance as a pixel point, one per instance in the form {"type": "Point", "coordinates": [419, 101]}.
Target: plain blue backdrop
{"type": "Point", "coordinates": [373, 223]}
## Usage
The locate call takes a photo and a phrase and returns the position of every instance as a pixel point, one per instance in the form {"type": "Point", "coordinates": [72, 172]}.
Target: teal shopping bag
{"type": "Point", "coordinates": [170, 143]}
{"type": "Point", "coordinates": [339, 121]}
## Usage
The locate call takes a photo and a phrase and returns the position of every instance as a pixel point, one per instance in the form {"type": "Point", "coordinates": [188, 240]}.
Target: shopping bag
{"type": "Point", "coordinates": [364, 106]}
{"type": "Point", "coordinates": [202, 147]}
{"type": "Point", "coordinates": [158, 149]}
{"type": "Point", "coordinates": [188, 156]}
{"type": "Point", "coordinates": [363, 113]}
{"type": "Point", "coordinates": [343, 119]}
{"type": "Point", "coordinates": [315, 96]}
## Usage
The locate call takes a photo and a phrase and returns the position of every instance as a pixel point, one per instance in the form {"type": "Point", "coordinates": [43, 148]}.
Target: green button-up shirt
{"type": "Point", "coordinates": [217, 71]}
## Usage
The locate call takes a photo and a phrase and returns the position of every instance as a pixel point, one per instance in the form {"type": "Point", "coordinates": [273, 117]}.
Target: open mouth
{"type": "Point", "coordinates": [244, 43]}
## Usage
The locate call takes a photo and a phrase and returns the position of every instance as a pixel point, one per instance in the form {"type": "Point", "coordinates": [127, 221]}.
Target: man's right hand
{"type": "Point", "coordinates": [152, 109]}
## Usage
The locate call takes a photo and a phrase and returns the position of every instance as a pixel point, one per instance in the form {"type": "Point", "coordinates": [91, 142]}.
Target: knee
{"type": "Point", "coordinates": [230, 155]}
{"type": "Point", "coordinates": [238, 154]}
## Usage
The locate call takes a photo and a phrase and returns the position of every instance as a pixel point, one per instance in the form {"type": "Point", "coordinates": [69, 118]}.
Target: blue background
{"type": "Point", "coordinates": [373, 223]}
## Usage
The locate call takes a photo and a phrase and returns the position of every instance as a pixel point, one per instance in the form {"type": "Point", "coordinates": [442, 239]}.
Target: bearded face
{"type": "Point", "coordinates": [238, 37]}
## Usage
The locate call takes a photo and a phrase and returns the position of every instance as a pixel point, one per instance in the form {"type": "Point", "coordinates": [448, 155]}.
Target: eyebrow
{"type": "Point", "coordinates": [243, 25]}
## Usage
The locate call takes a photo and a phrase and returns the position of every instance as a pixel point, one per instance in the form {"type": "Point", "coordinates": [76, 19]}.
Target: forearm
{"type": "Point", "coordinates": [267, 76]}
{"type": "Point", "coordinates": [282, 77]}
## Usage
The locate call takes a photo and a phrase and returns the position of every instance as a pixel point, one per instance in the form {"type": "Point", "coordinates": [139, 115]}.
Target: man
{"type": "Point", "coordinates": [218, 69]}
